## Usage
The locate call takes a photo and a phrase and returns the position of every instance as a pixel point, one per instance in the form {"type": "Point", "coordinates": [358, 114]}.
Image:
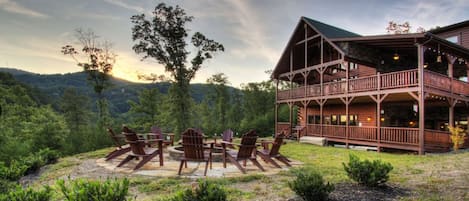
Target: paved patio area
{"type": "Point", "coordinates": [193, 170]}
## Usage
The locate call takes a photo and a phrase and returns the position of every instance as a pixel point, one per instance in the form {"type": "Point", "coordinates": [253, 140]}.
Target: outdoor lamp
{"type": "Point", "coordinates": [395, 57]}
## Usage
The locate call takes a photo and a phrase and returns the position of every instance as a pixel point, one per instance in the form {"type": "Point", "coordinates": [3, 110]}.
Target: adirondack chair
{"type": "Point", "coordinates": [268, 154]}
{"type": "Point", "coordinates": [168, 139]}
{"type": "Point", "coordinates": [138, 149]}
{"type": "Point", "coordinates": [245, 151]}
{"type": "Point", "coordinates": [195, 149]}
{"type": "Point", "coordinates": [227, 136]}
{"type": "Point", "coordinates": [121, 147]}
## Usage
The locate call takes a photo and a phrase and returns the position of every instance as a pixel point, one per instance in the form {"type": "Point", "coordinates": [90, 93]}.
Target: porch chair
{"type": "Point", "coordinates": [156, 133]}
{"type": "Point", "coordinates": [227, 136]}
{"type": "Point", "coordinates": [140, 150]}
{"type": "Point", "coordinates": [269, 154]}
{"type": "Point", "coordinates": [195, 149]}
{"type": "Point", "coordinates": [121, 147]}
{"type": "Point", "coordinates": [245, 152]}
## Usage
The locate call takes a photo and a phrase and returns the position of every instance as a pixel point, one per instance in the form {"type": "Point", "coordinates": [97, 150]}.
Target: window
{"type": "Point", "coordinates": [343, 119]}
{"type": "Point", "coordinates": [334, 119]}
{"type": "Point", "coordinates": [353, 77]}
{"type": "Point", "coordinates": [353, 119]}
{"type": "Point", "coordinates": [353, 66]}
{"type": "Point", "coordinates": [453, 39]}
{"type": "Point", "coordinates": [314, 119]}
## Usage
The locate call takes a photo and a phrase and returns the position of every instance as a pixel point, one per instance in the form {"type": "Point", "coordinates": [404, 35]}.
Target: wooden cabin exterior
{"type": "Point", "coordinates": [389, 91]}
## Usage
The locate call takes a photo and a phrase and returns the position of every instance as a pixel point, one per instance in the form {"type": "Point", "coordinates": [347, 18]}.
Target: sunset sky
{"type": "Point", "coordinates": [254, 32]}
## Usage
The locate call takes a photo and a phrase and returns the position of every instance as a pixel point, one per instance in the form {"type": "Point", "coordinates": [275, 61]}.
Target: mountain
{"type": "Point", "coordinates": [117, 95]}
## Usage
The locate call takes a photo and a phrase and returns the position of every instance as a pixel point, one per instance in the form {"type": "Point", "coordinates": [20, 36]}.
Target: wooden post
{"type": "Point", "coordinates": [276, 107]}
{"type": "Point", "coordinates": [306, 117]}
{"type": "Point", "coordinates": [290, 105]}
{"type": "Point", "coordinates": [378, 120]}
{"type": "Point", "coordinates": [452, 103]}
{"type": "Point", "coordinates": [421, 102]}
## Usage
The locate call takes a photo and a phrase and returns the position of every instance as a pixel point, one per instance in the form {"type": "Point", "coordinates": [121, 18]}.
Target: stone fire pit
{"type": "Point", "coordinates": [177, 152]}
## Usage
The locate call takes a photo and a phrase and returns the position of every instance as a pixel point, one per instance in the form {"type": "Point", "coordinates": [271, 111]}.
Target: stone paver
{"type": "Point", "coordinates": [193, 170]}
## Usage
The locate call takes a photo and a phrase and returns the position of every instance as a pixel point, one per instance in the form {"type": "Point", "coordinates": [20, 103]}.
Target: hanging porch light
{"type": "Point", "coordinates": [395, 57]}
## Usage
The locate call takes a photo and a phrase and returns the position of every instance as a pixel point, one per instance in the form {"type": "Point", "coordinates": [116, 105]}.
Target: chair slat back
{"type": "Point", "coordinates": [248, 144]}
{"type": "Point", "coordinates": [277, 144]}
{"type": "Point", "coordinates": [115, 139]}
{"type": "Point", "coordinates": [193, 145]}
{"type": "Point", "coordinates": [228, 135]}
{"type": "Point", "coordinates": [136, 145]}
{"type": "Point", "coordinates": [157, 131]}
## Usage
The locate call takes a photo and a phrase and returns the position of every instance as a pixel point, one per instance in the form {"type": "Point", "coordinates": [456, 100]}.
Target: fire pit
{"type": "Point", "coordinates": [177, 152]}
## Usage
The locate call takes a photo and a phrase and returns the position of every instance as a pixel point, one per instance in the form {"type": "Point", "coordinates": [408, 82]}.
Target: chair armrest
{"type": "Point", "coordinates": [230, 143]}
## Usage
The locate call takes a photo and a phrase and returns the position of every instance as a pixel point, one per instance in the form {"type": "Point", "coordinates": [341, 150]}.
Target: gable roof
{"type": "Point", "coordinates": [329, 31]}
{"type": "Point", "coordinates": [450, 27]}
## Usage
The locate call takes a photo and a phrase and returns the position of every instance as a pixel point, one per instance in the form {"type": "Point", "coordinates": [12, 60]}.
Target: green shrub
{"type": "Point", "coordinates": [310, 185]}
{"type": "Point", "coordinates": [366, 172]}
{"type": "Point", "coordinates": [48, 156]}
{"type": "Point", "coordinates": [6, 186]}
{"type": "Point", "coordinates": [28, 194]}
{"type": "Point", "coordinates": [206, 191]}
{"type": "Point", "coordinates": [13, 172]}
{"type": "Point", "coordinates": [84, 190]}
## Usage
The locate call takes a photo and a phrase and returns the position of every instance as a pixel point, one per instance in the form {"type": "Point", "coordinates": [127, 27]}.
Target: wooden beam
{"type": "Point", "coordinates": [316, 67]}
{"type": "Point", "coordinates": [416, 97]}
{"type": "Point", "coordinates": [308, 39]}
{"type": "Point", "coordinates": [421, 101]}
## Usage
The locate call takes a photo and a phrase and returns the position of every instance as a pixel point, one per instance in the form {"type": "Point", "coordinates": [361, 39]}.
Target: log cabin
{"type": "Point", "coordinates": [393, 92]}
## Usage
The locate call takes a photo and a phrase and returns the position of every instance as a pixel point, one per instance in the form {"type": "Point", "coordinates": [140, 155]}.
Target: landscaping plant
{"type": "Point", "coordinates": [84, 190]}
{"type": "Point", "coordinates": [457, 136]}
{"type": "Point", "coordinates": [206, 191]}
{"type": "Point", "coordinates": [310, 185]}
{"type": "Point", "coordinates": [368, 173]}
{"type": "Point", "coordinates": [27, 194]}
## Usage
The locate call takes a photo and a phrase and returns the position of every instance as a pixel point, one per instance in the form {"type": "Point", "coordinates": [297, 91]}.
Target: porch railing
{"type": "Point", "coordinates": [367, 133]}
{"type": "Point", "coordinates": [400, 135]}
{"type": "Point", "coordinates": [400, 79]}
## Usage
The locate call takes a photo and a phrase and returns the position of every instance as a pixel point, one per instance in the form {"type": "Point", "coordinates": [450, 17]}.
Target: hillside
{"type": "Point", "coordinates": [120, 92]}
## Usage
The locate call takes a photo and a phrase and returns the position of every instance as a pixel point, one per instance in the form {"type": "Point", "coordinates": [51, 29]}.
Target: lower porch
{"type": "Point", "coordinates": [388, 137]}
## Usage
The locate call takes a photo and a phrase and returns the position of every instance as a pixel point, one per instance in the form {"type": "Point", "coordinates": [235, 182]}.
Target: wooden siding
{"type": "Point", "coordinates": [363, 111]}
{"type": "Point", "coordinates": [462, 33]}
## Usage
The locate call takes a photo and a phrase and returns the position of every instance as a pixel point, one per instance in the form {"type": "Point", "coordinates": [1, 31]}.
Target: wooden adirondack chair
{"type": "Point", "coordinates": [227, 136]}
{"type": "Point", "coordinates": [121, 148]}
{"type": "Point", "coordinates": [245, 152]}
{"type": "Point", "coordinates": [268, 154]}
{"type": "Point", "coordinates": [138, 149]}
{"type": "Point", "coordinates": [168, 139]}
{"type": "Point", "coordinates": [195, 149]}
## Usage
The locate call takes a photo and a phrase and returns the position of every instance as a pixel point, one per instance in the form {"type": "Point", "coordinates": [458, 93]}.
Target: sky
{"type": "Point", "coordinates": [253, 32]}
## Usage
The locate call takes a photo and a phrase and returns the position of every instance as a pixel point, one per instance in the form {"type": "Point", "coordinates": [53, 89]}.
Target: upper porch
{"type": "Point", "coordinates": [393, 82]}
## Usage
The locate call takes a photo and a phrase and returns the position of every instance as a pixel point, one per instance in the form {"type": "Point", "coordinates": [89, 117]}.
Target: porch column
{"type": "Point", "coordinates": [290, 105]}
{"type": "Point", "coordinates": [347, 101]}
{"type": "Point", "coordinates": [421, 101]}
{"type": "Point", "coordinates": [452, 103]}
{"type": "Point", "coordinates": [378, 121]}
{"type": "Point", "coordinates": [276, 107]}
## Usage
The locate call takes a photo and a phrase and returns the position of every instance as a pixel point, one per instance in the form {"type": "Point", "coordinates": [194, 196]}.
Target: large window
{"type": "Point", "coordinates": [314, 119]}
{"type": "Point", "coordinates": [453, 39]}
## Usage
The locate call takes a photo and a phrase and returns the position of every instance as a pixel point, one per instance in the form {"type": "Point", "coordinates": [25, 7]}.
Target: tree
{"type": "Point", "coordinates": [98, 61]}
{"type": "Point", "coordinates": [146, 112]}
{"type": "Point", "coordinates": [221, 99]}
{"type": "Point", "coordinates": [404, 28]}
{"type": "Point", "coordinates": [75, 108]}
{"type": "Point", "coordinates": [163, 38]}
{"type": "Point", "coordinates": [258, 102]}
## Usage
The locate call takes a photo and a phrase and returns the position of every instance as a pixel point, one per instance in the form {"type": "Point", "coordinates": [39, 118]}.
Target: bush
{"type": "Point", "coordinates": [83, 190]}
{"type": "Point", "coordinates": [457, 136]}
{"type": "Point", "coordinates": [13, 172]}
{"type": "Point", "coordinates": [28, 194]}
{"type": "Point", "coordinates": [48, 156]}
{"type": "Point", "coordinates": [206, 191]}
{"type": "Point", "coordinates": [43, 157]}
{"type": "Point", "coordinates": [367, 173]}
{"type": "Point", "coordinates": [6, 186]}
{"type": "Point", "coordinates": [310, 185]}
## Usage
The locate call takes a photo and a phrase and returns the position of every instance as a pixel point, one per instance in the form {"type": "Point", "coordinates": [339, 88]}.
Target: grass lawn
{"type": "Point", "coordinates": [428, 177]}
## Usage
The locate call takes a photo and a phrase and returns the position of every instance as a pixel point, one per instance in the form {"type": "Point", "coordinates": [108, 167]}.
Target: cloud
{"type": "Point", "coordinates": [125, 5]}
{"type": "Point", "coordinates": [13, 7]}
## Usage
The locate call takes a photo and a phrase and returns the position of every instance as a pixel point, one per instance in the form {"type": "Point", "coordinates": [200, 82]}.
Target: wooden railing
{"type": "Point", "coordinates": [314, 129]}
{"type": "Point", "coordinates": [334, 131]}
{"type": "Point", "coordinates": [367, 133]}
{"type": "Point", "coordinates": [400, 79]}
{"type": "Point", "coordinates": [437, 80]}
{"type": "Point", "coordinates": [332, 88]}
{"type": "Point", "coordinates": [283, 126]}
{"type": "Point", "coordinates": [363, 84]}
{"type": "Point", "coordinates": [408, 136]}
